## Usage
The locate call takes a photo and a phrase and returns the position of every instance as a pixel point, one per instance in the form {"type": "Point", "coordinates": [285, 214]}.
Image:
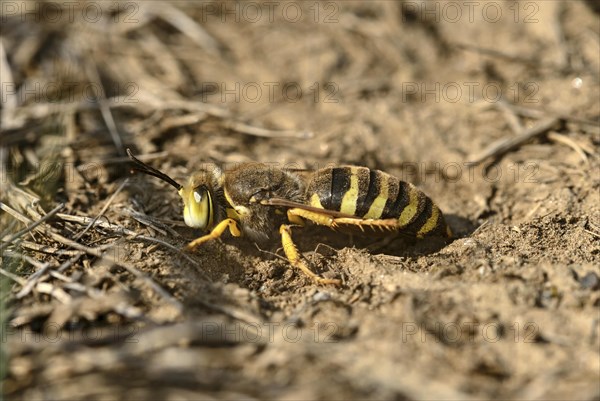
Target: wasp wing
{"type": "Point", "coordinates": [291, 204]}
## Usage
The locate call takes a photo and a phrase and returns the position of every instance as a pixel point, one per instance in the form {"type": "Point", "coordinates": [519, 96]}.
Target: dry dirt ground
{"type": "Point", "coordinates": [99, 301]}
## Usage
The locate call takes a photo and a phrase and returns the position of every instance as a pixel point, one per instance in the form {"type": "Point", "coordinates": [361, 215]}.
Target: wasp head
{"type": "Point", "coordinates": [197, 193]}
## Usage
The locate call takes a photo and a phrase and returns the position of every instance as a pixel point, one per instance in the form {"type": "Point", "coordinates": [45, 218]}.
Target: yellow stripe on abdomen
{"type": "Point", "coordinates": [376, 209]}
{"type": "Point", "coordinates": [411, 209]}
{"type": "Point", "coordinates": [348, 205]}
{"type": "Point", "coordinates": [431, 222]}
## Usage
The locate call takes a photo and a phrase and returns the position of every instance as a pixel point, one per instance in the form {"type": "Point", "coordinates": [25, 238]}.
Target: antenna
{"type": "Point", "coordinates": [146, 169]}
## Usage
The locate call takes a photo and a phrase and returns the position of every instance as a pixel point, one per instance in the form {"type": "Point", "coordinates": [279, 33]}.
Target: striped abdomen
{"type": "Point", "coordinates": [373, 194]}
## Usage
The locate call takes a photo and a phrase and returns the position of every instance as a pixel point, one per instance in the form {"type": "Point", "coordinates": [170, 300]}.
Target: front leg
{"type": "Point", "coordinates": [216, 233]}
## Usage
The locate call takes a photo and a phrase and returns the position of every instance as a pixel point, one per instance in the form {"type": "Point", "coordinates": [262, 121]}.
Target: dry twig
{"type": "Point", "coordinates": [505, 145]}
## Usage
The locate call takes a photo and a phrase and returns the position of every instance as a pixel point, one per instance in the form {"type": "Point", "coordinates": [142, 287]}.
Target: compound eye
{"type": "Point", "coordinates": [198, 208]}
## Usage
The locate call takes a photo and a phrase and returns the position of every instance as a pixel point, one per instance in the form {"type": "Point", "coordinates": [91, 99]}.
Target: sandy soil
{"type": "Point", "coordinates": [509, 309]}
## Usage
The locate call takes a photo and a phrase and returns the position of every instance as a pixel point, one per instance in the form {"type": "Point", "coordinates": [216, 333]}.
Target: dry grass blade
{"type": "Point", "coordinates": [99, 223]}
{"type": "Point", "coordinates": [9, 102]}
{"type": "Point", "coordinates": [173, 122]}
{"type": "Point", "coordinates": [13, 277]}
{"type": "Point", "coordinates": [69, 262]}
{"type": "Point", "coordinates": [130, 268]}
{"type": "Point", "coordinates": [92, 71]}
{"type": "Point", "coordinates": [152, 222]}
{"type": "Point", "coordinates": [154, 103]}
{"type": "Point", "coordinates": [509, 57]}
{"type": "Point", "coordinates": [185, 24]}
{"type": "Point", "coordinates": [265, 133]}
{"type": "Point", "coordinates": [35, 277]}
{"type": "Point", "coordinates": [33, 262]}
{"type": "Point", "coordinates": [539, 114]}
{"type": "Point", "coordinates": [47, 249]}
{"type": "Point", "coordinates": [505, 145]}
{"type": "Point", "coordinates": [32, 281]}
{"type": "Point", "coordinates": [104, 209]}
{"type": "Point", "coordinates": [565, 140]}
{"type": "Point", "coordinates": [593, 229]}
{"type": "Point", "coordinates": [100, 253]}
{"type": "Point", "coordinates": [8, 241]}
{"type": "Point", "coordinates": [115, 160]}
{"type": "Point", "coordinates": [236, 314]}
{"type": "Point", "coordinates": [134, 236]}
{"type": "Point", "coordinates": [510, 115]}
{"type": "Point", "coordinates": [173, 248]}
{"type": "Point", "coordinates": [478, 229]}
{"type": "Point", "coordinates": [224, 115]}
{"type": "Point", "coordinates": [56, 292]}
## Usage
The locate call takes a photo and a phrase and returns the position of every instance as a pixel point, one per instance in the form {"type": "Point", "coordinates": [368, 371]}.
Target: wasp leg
{"type": "Point", "coordinates": [216, 233]}
{"type": "Point", "coordinates": [295, 216]}
{"type": "Point", "coordinates": [379, 224]}
{"type": "Point", "coordinates": [294, 257]}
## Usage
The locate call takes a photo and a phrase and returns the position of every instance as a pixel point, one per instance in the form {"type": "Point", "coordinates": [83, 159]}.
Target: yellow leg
{"type": "Point", "coordinates": [291, 252]}
{"type": "Point", "coordinates": [380, 224]}
{"type": "Point", "coordinates": [296, 215]}
{"type": "Point", "coordinates": [294, 219]}
{"type": "Point", "coordinates": [216, 233]}
{"type": "Point", "coordinates": [321, 219]}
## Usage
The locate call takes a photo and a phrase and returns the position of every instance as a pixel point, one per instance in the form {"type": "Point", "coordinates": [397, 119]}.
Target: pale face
{"type": "Point", "coordinates": [197, 211]}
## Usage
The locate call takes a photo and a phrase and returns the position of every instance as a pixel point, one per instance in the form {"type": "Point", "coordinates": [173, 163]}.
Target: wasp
{"type": "Point", "coordinates": [260, 202]}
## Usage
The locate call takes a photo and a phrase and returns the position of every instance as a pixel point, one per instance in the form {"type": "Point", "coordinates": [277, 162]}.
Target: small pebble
{"type": "Point", "coordinates": [471, 243]}
{"type": "Point", "coordinates": [321, 296]}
